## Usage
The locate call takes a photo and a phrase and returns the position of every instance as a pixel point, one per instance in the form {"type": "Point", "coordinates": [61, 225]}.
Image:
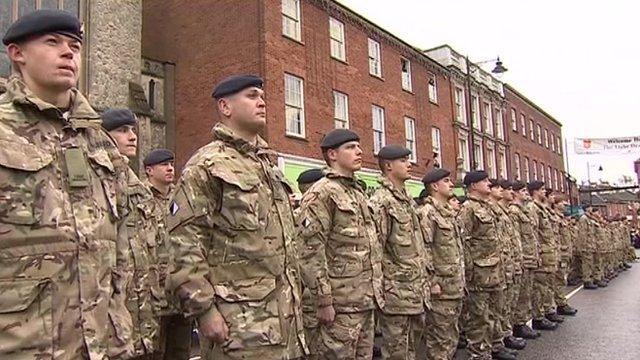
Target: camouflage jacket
{"type": "Point", "coordinates": [504, 228]}
{"type": "Point", "coordinates": [524, 227]}
{"type": "Point", "coordinates": [586, 239]}
{"type": "Point", "coordinates": [565, 239]}
{"type": "Point", "coordinates": [340, 254]}
{"type": "Point", "coordinates": [547, 240]}
{"type": "Point", "coordinates": [403, 253]}
{"type": "Point", "coordinates": [144, 296]}
{"type": "Point", "coordinates": [482, 246]}
{"type": "Point", "coordinates": [444, 242]}
{"type": "Point", "coordinates": [513, 237]}
{"type": "Point", "coordinates": [62, 209]}
{"type": "Point", "coordinates": [600, 236]}
{"type": "Point", "coordinates": [231, 236]}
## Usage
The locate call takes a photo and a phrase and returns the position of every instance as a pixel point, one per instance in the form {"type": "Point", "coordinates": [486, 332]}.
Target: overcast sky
{"type": "Point", "coordinates": [578, 60]}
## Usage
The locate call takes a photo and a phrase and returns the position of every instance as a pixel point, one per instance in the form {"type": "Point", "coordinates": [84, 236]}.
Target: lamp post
{"type": "Point", "coordinates": [498, 69]}
{"type": "Point", "coordinates": [589, 181]}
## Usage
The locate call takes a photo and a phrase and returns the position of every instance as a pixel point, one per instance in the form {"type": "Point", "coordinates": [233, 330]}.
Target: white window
{"type": "Point", "coordinates": [336, 34]}
{"type": "Point", "coordinates": [531, 130]}
{"type": "Point", "coordinates": [539, 133]}
{"type": "Point", "coordinates": [541, 173]}
{"type": "Point", "coordinates": [555, 179]}
{"type": "Point", "coordinates": [410, 135]}
{"type": "Point", "coordinates": [558, 146]}
{"type": "Point", "coordinates": [514, 120]}
{"type": "Point", "coordinates": [499, 125]}
{"type": "Point", "coordinates": [475, 109]}
{"type": "Point", "coordinates": [486, 116]}
{"type": "Point", "coordinates": [517, 167]}
{"type": "Point", "coordinates": [375, 62]}
{"type": "Point", "coordinates": [478, 155]}
{"type": "Point", "coordinates": [436, 145]}
{"type": "Point", "coordinates": [526, 174]}
{"type": "Point", "coordinates": [546, 138]}
{"type": "Point", "coordinates": [291, 19]}
{"type": "Point", "coordinates": [405, 66]}
{"type": "Point", "coordinates": [459, 99]}
{"type": "Point", "coordinates": [340, 110]}
{"type": "Point", "coordinates": [491, 163]}
{"type": "Point", "coordinates": [502, 164]}
{"type": "Point", "coordinates": [377, 113]}
{"type": "Point", "coordinates": [523, 125]}
{"type": "Point", "coordinates": [553, 142]}
{"type": "Point", "coordinates": [433, 89]}
{"type": "Point", "coordinates": [535, 170]}
{"type": "Point", "coordinates": [549, 182]}
{"type": "Point", "coordinates": [294, 105]}
{"type": "Point", "coordinates": [561, 180]}
{"type": "Point", "coordinates": [463, 151]}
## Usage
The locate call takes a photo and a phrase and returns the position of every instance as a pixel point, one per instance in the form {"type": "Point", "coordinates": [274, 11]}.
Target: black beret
{"type": "Point", "coordinates": [114, 118]}
{"type": "Point", "coordinates": [461, 199]}
{"type": "Point", "coordinates": [493, 183]}
{"type": "Point", "coordinates": [473, 177]}
{"type": "Point", "coordinates": [236, 83]}
{"type": "Point", "coordinates": [435, 175]}
{"type": "Point", "coordinates": [393, 152]}
{"type": "Point", "coordinates": [518, 185]}
{"type": "Point", "coordinates": [505, 184]}
{"type": "Point", "coordinates": [423, 194]}
{"type": "Point", "coordinates": [338, 137]}
{"type": "Point", "coordinates": [535, 185]}
{"type": "Point", "coordinates": [158, 156]}
{"type": "Point", "coordinates": [548, 191]}
{"type": "Point", "coordinates": [310, 176]}
{"type": "Point", "coordinates": [43, 22]}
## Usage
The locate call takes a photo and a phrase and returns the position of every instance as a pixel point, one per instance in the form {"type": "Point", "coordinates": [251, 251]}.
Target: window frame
{"type": "Point", "coordinates": [413, 157]}
{"type": "Point", "coordinates": [405, 75]}
{"type": "Point", "coordinates": [341, 44]}
{"type": "Point", "coordinates": [300, 107]}
{"type": "Point", "coordinates": [381, 130]}
{"type": "Point", "coordinates": [432, 87]}
{"type": "Point", "coordinates": [517, 166]}
{"type": "Point", "coordinates": [297, 21]}
{"type": "Point", "coordinates": [337, 94]}
{"type": "Point", "coordinates": [375, 58]}
{"type": "Point", "coordinates": [436, 144]}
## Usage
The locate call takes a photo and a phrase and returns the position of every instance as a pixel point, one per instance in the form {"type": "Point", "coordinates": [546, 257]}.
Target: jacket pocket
{"type": "Point", "coordinates": [402, 236]}
{"type": "Point", "coordinates": [241, 203]}
{"type": "Point", "coordinates": [26, 318]}
{"type": "Point", "coordinates": [487, 273]}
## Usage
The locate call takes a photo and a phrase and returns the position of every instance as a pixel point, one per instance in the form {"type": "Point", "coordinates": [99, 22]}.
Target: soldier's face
{"type": "Point", "coordinates": [347, 156]}
{"type": "Point", "coordinates": [496, 192]}
{"type": "Point", "coordinates": [247, 109]}
{"type": "Point", "coordinates": [507, 194]}
{"type": "Point", "coordinates": [522, 194]}
{"type": "Point", "coordinates": [163, 172]}
{"type": "Point", "coordinates": [444, 187]}
{"type": "Point", "coordinates": [126, 139]}
{"type": "Point", "coordinates": [400, 168]}
{"type": "Point", "coordinates": [49, 61]}
{"type": "Point", "coordinates": [455, 204]}
{"type": "Point", "coordinates": [482, 187]}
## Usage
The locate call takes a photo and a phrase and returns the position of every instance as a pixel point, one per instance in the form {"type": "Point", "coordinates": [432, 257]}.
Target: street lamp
{"type": "Point", "coordinates": [498, 69]}
{"type": "Point", "coordinates": [589, 180]}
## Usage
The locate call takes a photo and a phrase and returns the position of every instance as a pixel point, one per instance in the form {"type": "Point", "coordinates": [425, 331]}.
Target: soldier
{"type": "Point", "coordinates": [442, 236]}
{"type": "Point", "coordinates": [600, 239]}
{"type": "Point", "coordinates": [141, 252]}
{"type": "Point", "coordinates": [565, 242]}
{"type": "Point", "coordinates": [483, 267]}
{"type": "Point", "coordinates": [543, 275]}
{"type": "Point", "coordinates": [404, 260]}
{"type": "Point", "coordinates": [308, 178]}
{"type": "Point", "coordinates": [530, 261]}
{"type": "Point", "coordinates": [63, 204]}
{"type": "Point", "coordinates": [586, 245]}
{"type": "Point", "coordinates": [231, 233]}
{"type": "Point", "coordinates": [160, 171]}
{"type": "Point", "coordinates": [340, 255]}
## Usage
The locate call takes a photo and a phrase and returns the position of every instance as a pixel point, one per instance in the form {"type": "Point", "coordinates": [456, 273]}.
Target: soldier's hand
{"type": "Point", "coordinates": [212, 326]}
{"type": "Point", "coordinates": [436, 289]}
{"type": "Point", "coordinates": [326, 314]}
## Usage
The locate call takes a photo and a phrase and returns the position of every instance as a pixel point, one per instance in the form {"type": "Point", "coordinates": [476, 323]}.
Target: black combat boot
{"type": "Point", "coordinates": [502, 355]}
{"type": "Point", "coordinates": [525, 332]}
{"type": "Point", "coordinates": [590, 285]}
{"type": "Point", "coordinates": [462, 342]}
{"type": "Point", "coordinates": [515, 343]}
{"type": "Point", "coordinates": [554, 317]}
{"type": "Point", "coordinates": [602, 283]}
{"type": "Point", "coordinates": [566, 310]}
{"type": "Point", "coordinates": [544, 324]}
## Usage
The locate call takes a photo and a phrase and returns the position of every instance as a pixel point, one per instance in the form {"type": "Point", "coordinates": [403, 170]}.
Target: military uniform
{"type": "Point", "coordinates": [587, 244]}
{"type": "Point", "coordinates": [484, 272]}
{"type": "Point", "coordinates": [62, 209]}
{"type": "Point", "coordinates": [231, 234]}
{"type": "Point", "coordinates": [524, 226]}
{"type": "Point", "coordinates": [444, 243]}
{"type": "Point", "coordinates": [404, 271]}
{"type": "Point", "coordinates": [564, 257]}
{"type": "Point", "coordinates": [341, 264]}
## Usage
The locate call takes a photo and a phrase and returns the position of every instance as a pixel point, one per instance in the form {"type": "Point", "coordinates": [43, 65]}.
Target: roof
{"type": "Point", "coordinates": [610, 197]}
{"type": "Point", "coordinates": [532, 104]}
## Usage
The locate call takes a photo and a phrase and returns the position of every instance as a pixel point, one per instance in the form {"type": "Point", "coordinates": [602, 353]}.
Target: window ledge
{"type": "Point", "coordinates": [339, 60]}
{"type": "Point", "coordinates": [296, 136]}
{"type": "Point", "coordinates": [300, 42]}
{"type": "Point", "coordinates": [376, 77]}
{"type": "Point", "coordinates": [434, 102]}
{"type": "Point", "coordinates": [408, 91]}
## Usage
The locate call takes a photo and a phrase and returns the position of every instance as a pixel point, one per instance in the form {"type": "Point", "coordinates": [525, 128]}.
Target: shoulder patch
{"type": "Point", "coordinates": [180, 209]}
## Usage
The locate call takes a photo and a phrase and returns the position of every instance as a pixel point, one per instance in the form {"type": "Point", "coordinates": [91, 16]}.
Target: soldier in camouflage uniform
{"type": "Point", "coordinates": [444, 242]}
{"type": "Point", "coordinates": [142, 228]}
{"type": "Point", "coordinates": [231, 233]}
{"type": "Point", "coordinates": [484, 269]}
{"type": "Point", "coordinates": [565, 249]}
{"type": "Point", "coordinates": [542, 298]}
{"type": "Point", "coordinates": [404, 258]}
{"type": "Point", "coordinates": [600, 239]}
{"type": "Point", "coordinates": [530, 261]}
{"type": "Point", "coordinates": [340, 255]}
{"type": "Point", "coordinates": [62, 205]}
{"type": "Point", "coordinates": [586, 244]}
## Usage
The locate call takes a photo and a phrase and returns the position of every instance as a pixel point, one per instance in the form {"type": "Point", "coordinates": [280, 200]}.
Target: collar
{"type": "Point", "coordinates": [443, 208]}
{"type": "Point", "coordinates": [224, 133]}
{"type": "Point", "coordinates": [400, 194]}
{"type": "Point", "coordinates": [347, 181]}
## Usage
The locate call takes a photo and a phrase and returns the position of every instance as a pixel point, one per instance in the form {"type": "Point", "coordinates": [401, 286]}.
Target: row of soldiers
{"type": "Point", "coordinates": [97, 264]}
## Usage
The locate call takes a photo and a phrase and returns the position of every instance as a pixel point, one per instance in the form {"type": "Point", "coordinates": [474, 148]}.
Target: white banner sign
{"type": "Point", "coordinates": [607, 146]}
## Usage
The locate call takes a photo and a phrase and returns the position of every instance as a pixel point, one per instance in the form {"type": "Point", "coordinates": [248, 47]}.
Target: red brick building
{"type": "Point", "coordinates": [535, 142]}
{"type": "Point", "coordinates": [324, 67]}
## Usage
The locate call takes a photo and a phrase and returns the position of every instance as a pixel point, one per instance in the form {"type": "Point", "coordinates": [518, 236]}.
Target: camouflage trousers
{"type": "Point", "coordinates": [479, 324]}
{"type": "Point", "coordinates": [599, 266]}
{"type": "Point", "coordinates": [497, 311]}
{"type": "Point", "coordinates": [512, 301]}
{"type": "Point", "coordinates": [175, 338]}
{"type": "Point", "coordinates": [350, 336]}
{"type": "Point", "coordinates": [311, 333]}
{"type": "Point", "coordinates": [588, 266]}
{"type": "Point", "coordinates": [523, 308]}
{"type": "Point", "coordinates": [542, 299]}
{"type": "Point", "coordinates": [560, 282]}
{"type": "Point", "coordinates": [401, 335]}
{"type": "Point", "coordinates": [442, 330]}
{"type": "Point", "coordinates": [575, 269]}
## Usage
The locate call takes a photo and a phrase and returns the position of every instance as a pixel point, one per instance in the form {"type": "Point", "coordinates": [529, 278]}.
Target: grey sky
{"type": "Point", "coordinates": [578, 60]}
